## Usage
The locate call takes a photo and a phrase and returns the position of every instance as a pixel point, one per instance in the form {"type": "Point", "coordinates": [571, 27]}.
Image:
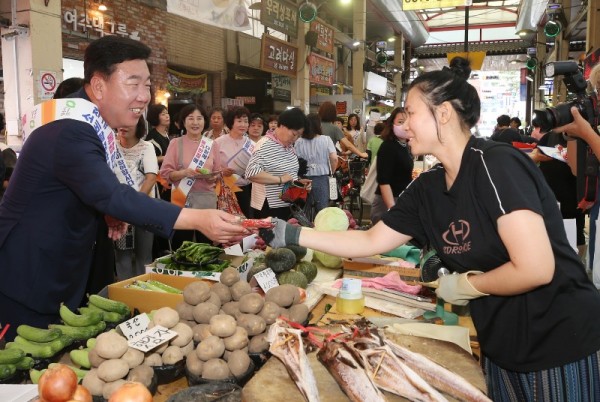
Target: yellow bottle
{"type": "Point", "coordinates": [350, 299]}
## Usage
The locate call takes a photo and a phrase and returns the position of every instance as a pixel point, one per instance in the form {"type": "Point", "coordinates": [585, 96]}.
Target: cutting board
{"type": "Point", "coordinates": [273, 384]}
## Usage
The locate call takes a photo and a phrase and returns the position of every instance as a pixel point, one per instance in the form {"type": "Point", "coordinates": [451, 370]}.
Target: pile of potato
{"type": "Point", "coordinates": [229, 321]}
{"type": "Point", "coordinates": [113, 362]}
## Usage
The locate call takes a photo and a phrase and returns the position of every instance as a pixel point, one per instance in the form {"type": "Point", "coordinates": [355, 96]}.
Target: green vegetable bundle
{"type": "Point", "coordinates": [195, 257]}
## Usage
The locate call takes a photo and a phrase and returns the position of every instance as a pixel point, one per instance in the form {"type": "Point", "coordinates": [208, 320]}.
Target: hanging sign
{"type": "Point", "coordinates": [179, 82]}
{"type": "Point", "coordinates": [280, 15]}
{"type": "Point", "coordinates": [278, 56]}
{"type": "Point", "coordinates": [321, 71]}
{"type": "Point", "coordinates": [325, 34]}
{"type": "Point", "coordinates": [425, 4]}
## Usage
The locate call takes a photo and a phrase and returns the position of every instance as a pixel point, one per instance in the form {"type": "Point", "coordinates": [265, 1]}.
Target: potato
{"type": "Point", "coordinates": [270, 312]}
{"type": "Point", "coordinates": [251, 303]}
{"type": "Point", "coordinates": [111, 387]}
{"type": "Point", "coordinates": [231, 308]}
{"type": "Point", "coordinates": [204, 311]}
{"type": "Point", "coordinates": [216, 369]}
{"type": "Point", "coordinates": [95, 360]}
{"type": "Point", "coordinates": [113, 370]}
{"type": "Point", "coordinates": [184, 336]}
{"type": "Point", "coordinates": [196, 293]}
{"type": "Point", "coordinates": [153, 359]}
{"type": "Point", "coordinates": [222, 325]}
{"type": "Point", "coordinates": [283, 295]}
{"type": "Point", "coordinates": [299, 313]}
{"type": "Point", "coordinates": [222, 291]}
{"type": "Point", "coordinates": [190, 347]}
{"type": "Point", "coordinates": [93, 383]}
{"type": "Point", "coordinates": [193, 363]}
{"type": "Point", "coordinates": [189, 323]}
{"type": "Point", "coordinates": [253, 324]}
{"type": "Point", "coordinates": [229, 352]}
{"type": "Point", "coordinates": [238, 340]}
{"type": "Point", "coordinates": [229, 276]}
{"type": "Point", "coordinates": [160, 349]}
{"type": "Point", "coordinates": [258, 344]}
{"type": "Point", "coordinates": [165, 317]}
{"type": "Point", "coordinates": [210, 348]}
{"type": "Point", "coordinates": [239, 289]}
{"type": "Point", "coordinates": [238, 362]}
{"type": "Point", "coordinates": [133, 357]}
{"type": "Point", "coordinates": [214, 299]}
{"type": "Point", "coordinates": [110, 345]}
{"type": "Point", "coordinates": [185, 311]}
{"type": "Point", "coordinates": [201, 332]}
{"type": "Point", "coordinates": [285, 313]}
{"type": "Point", "coordinates": [141, 374]}
{"type": "Point", "coordinates": [172, 355]}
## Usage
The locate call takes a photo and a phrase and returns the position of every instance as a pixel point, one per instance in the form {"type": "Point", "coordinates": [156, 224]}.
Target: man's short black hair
{"type": "Point", "coordinates": [503, 120]}
{"type": "Point", "coordinates": [102, 54]}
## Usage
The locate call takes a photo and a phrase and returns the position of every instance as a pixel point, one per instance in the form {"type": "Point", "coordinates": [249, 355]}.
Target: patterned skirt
{"type": "Point", "coordinates": [578, 381]}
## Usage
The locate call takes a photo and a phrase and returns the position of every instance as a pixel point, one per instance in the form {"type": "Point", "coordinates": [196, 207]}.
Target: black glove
{"type": "Point", "coordinates": [283, 234]}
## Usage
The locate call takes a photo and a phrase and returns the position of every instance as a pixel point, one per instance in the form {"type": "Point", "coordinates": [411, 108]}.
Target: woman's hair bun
{"type": "Point", "coordinates": [461, 67]}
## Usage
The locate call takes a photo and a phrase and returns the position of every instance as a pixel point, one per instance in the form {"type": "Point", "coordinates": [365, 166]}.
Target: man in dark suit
{"type": "Point", "coordinates": [63, 185]}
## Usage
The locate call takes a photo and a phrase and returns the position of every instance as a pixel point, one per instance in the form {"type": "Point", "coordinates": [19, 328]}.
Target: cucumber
{"type": "Point", "coordinates": [11, 356]}
{"type": "Point", "coordinates": [34, 375]}
{"type": "Point", "coordinates": [81, 357]}
{"type": "Point", "coordinates": [77, 333]}
{"type": "Point", "coordinates": [108, 316]}
{"type": "Point", "coordinates": [35, 351]}
{"type": "Point", "coordinates": [37, 334]}
{"type": "Point", "coordinates": [7, 370]}
{"type": "Point", "coordinates": [56, 345]}
{"type": "Point", "coordinates": [79, 320]}
{"type": "Point", "coordinates": [164, 286]}
{"type": "Point", "coordinates": [25, 363]}
{"type": "Point", "coordinates": [109, 305]}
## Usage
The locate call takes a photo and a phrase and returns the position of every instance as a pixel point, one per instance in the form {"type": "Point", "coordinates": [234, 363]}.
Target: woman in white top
{"type": "Point", "coordinates": [273, 164]}
{"type": "Point", "coordinates": [355, 130]}
{"type": "Point", "coordinates": [321, 157]}
{"type": "Point", "coordinates": [137, 166]}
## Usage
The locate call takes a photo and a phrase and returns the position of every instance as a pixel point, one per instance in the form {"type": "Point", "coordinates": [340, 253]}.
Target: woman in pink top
{"type": "Point", "coordinates": [177, 166]}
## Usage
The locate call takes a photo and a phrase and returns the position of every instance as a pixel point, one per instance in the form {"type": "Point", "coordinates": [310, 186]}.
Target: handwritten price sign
{"type": "Point", "coordinates": [266, 279]}
{"type": "Point", "coordinates": [152, 338]}
{"type": "Point", "coordinates": [135, 326]}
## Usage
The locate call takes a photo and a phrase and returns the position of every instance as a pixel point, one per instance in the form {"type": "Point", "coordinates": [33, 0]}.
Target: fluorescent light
{"type": "Point", "coordinates": [414, 60]}
{"type": "Point", "coordinates": [392, 39]}
{"type": "Point", "coordinates": [356, 43]}
{"type": "Point", "coordinates": [102, 7]}
{"type": "Point", "coordinates": [529, 78]}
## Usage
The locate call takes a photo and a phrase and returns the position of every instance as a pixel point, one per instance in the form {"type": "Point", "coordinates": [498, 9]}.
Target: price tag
{"type": "Point", "coordinates": [152, 338]}
{"type": "Point", "coordinates": [244, 268]}
{"type": "Point", "coordinates": [135, 326]}
{"type": "Point", "coordinates": [266, 279]}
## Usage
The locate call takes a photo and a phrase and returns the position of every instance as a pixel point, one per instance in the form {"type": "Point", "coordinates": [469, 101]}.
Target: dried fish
{"type": "Point", "coordinates": [349, 373]}
{"type": "Point", "coordinates": [287, 346]}
{"type": "Point", "coordinates": [438, 376]}
{"type": "Point", "coordinates": [391, 374]}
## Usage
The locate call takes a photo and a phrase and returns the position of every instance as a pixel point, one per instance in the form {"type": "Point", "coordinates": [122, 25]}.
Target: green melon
{"type": "Point", "coordinates": [293, 278]}
{"type": "Point", "coordinates": [280, 259]}
{"type": "Point", "coordinates": [308, 269]}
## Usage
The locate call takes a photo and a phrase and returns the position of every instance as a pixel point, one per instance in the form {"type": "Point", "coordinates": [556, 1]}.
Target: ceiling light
{"type": "Point", "coordinates": [529, 78]}
{"type": "Point", "coordinates": [413, 60]}
{"type": "Point", "coordinates": [392, 39]}
{"type": "Point", "coordinates": [513, 61]}
{"type": "Point", "coordinates": [552, 28]}
{"type": "Point", "coordinates": [524, 32]}
{"type": "Point", "coordinates": [102, 7]}
{"type": "Point", "coordinates": [345, 2]}
{"type": "Point", "coordinates": [356, 43]}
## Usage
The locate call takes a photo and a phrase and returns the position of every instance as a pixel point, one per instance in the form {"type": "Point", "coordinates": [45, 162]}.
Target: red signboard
{"type": "Point", "coordinates": [325, 34]}
{"type": "Point", "coordinates": [278, 56]}
{"type": "Point", "coordinates": [321, 71]}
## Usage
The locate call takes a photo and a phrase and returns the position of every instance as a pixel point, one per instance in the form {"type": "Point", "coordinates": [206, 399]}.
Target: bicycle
{"type": "Point", "coordinates": [349, 182]}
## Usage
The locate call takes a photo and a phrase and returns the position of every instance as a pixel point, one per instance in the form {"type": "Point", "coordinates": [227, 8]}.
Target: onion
{"type": "Point", "coordinates": [131, 392]}
{"type": "Point", "coordinates": [57, 384]}
{"type": "Point", "coordinates": [82, 394]}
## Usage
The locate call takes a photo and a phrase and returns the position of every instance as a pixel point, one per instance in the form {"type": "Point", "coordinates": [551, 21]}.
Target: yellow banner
{"type": "Point", "coordinates": [425, 4]}
{"type": "Point", "coordinates": [181, 82]}
{"type": "Point", "coordinates": [476, 58]}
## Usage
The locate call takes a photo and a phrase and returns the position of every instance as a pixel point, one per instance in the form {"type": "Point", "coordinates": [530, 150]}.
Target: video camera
{"type": "Point", "coordinates": [560, 115]}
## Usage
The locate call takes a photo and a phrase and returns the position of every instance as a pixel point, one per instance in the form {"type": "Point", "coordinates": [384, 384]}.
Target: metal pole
{"type": "Point", "coordinates": [466, 45]}
{"type": "Point", "coordinates": [16, 58]}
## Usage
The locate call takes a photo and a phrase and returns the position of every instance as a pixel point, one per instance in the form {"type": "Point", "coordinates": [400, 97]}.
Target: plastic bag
{"type": "Point", "coordinates": [226, 199]}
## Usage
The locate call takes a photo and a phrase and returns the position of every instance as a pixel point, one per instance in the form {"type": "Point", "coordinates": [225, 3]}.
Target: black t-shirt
{"type": "Point", "coordinates": [547, 327]}
{"type": "Point", "coordinates": [160, 142]}
{"type": "Point", "coordinates": [510, 135]}
{"type": "Point", "coordinates": [394, 166]}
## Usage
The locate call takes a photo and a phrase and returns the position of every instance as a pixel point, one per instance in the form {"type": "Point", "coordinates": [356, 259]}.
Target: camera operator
{"type": "Point", "coordinates": [580, 128]}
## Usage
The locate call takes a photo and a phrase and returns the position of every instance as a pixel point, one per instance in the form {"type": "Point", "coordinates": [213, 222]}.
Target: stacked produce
{"type": "Point", "coordinates": [230, 322]}
{"type": "Point", "coordinates": [289, 266]}
{"type": "Point", "coordinates": [11, 360]}
{"type": "Point", "coordinates": [195, 256]}
{"type": "Point", "coordinates": [59, 384]}
{"type": "Point", "coordinates": [153, 286]}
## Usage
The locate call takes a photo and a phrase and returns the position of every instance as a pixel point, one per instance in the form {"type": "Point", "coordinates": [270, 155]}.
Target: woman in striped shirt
{"type": "Point", "coordinates": [274, 163]}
